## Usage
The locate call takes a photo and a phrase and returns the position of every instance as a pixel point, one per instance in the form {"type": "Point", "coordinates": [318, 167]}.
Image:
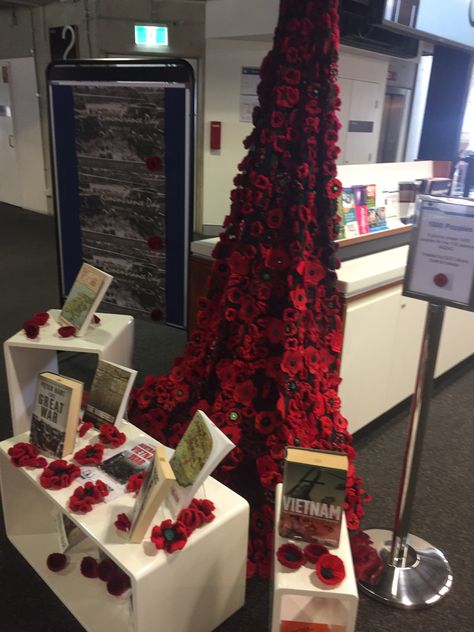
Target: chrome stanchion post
{"type": "Point", "coordinates": [416, 574]}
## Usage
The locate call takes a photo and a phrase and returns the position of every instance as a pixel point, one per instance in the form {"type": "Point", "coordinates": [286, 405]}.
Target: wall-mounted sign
{"type": "Point", "coordinates": [249, 80]}
{"type": "Point", "coordinates": [440, 265]}
{"type": "Point", "coordinates": [151, 35]}
{"type": "Point", "coordinates": [63, 42]}
{"type": "Point", "coordinates": [445, 21]}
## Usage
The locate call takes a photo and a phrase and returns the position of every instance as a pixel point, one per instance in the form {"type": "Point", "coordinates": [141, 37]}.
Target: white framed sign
{"type": "Point", "coordinates": [440, 266]}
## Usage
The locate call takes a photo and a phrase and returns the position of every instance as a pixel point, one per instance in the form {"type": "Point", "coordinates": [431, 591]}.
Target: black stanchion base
{"type": "Point", "coordinates": [419, 581]}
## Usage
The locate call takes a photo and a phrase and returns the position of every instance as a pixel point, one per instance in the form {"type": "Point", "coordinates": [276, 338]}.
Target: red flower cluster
{"type": "Point", "coordinates": [111, 435]}
{"type": "Point", "coordinates": [368, 566]}
{"type": "Point", "coordinates": [87, 495]}
{"type": "Point", "coordinates": [90, 455]}
{"type": "Point", "coordinates": [26, 455]}
{"type": "Point", "coordinates": [59, 474]}
{"type": "Point", "coordinates": [198, 512]}
{"type": "Point", "coordinates": [66, 331]}
{"type": "Point", "coordinates": [264, 359]}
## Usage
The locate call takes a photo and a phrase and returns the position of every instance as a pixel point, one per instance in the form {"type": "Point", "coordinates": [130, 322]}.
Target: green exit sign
{"type": "Point", "coordinates": [151, 35]}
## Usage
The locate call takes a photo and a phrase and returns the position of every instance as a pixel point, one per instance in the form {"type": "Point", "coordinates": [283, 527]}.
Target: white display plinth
{"type": "Point", "coordinates": [301, 596]}
{"type": "Point", "coordinates": [194, 589]}
{"type": "Point", "coordinates": [112, 339]}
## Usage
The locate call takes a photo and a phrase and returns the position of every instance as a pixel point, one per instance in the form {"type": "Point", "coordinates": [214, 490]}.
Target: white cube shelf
{"type": "Point", "coordinates": [112, 339]}
{"type": "Point", "coordinates": [300, 596]}
{"type": "Point", "coordinates": [194, 589]}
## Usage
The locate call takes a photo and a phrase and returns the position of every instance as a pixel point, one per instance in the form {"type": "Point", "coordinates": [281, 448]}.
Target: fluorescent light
{"type": "Point", "coordinates": [147, 35]}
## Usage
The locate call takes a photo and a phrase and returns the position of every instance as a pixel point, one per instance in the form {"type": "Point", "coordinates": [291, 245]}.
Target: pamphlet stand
{"type": "Point", "coordinates": [112, 339]}
{"type": "Point", "coordinates": [300, 596]}
{"type": "Point", "coordinates": [193, 589]}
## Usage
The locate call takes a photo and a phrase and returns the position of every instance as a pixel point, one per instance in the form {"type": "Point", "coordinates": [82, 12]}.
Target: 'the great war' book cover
{"type": "Point", "coordinates": [313, 494]}
{"type": "Point", "coordinates": [56, 414]}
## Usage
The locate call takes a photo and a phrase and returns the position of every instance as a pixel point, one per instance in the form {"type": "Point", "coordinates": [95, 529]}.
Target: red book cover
{"type": "Point", "coordinates": [362, 214]}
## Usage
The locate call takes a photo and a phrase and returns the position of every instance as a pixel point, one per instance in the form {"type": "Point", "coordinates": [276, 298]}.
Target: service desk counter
{"type": "Point", "coordinates": [382, 331]}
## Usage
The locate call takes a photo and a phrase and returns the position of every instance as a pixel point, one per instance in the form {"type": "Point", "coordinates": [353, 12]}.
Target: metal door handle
{"type": "Point", "coordinates": [11, 141]}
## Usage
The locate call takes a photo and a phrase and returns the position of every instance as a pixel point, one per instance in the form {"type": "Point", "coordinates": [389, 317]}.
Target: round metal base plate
{"type": "Point", "coordinates": [422, 581]}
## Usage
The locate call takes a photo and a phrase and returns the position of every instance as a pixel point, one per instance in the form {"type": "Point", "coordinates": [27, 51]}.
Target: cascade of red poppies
{"type": "Point", "coordinates": [264, 360]}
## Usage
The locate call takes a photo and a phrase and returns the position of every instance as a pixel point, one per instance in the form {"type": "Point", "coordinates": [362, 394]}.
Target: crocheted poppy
{"type": "Point", "coordinates": [154, 163]}
{"type": "Point", "coordinates": [313, 552]}
{"type": "Point", "coordinates": [330, 569]}
{"type": "Point", "coordinates": [135, 482]}
{"type": "Point", "coordinates": [111, 435]}
{"type": "Point", "coordinates": [290, 555]}
{"type": "Point", "coordinates": [90, 455]}
{"type": "Point", "coordinates": [26, 455]}
{"type": "Point", "coordinates": [31, 329]}
{"type": "Point", "coordinates": [89, 567]}
{"type": "Point", "coordinates": [59, 474]}
{"type": "Point", "coordinates": [56, 562]}
{"type": "Point", "coordinates": [155, 242]}
{"type": "Point", "coordinates": [95, 320]}
{"type": "Point", "coordinates": [85, 496]}
{"type": "Point", "coordinates": [117, 583]}
{"type": "Point", "coordinates": [206, 507]}
{"type": "Point", "coordinates": [192, 518]}
{"type": "Point", "coordinates": [106, 569]}
{"type": "Point", "coordinates": [170, 536]}
{"type": "Point", "coordinates": [67, 331]}
{"type": "Point", "coordinates": [122, 523]}
{"type": "Point", "coordinates": [40, 318]}
{"type": "Point", "coordinates": [84, 428]}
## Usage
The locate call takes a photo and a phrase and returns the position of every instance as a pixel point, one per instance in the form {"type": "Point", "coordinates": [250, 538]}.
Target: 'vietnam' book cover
{"type": "Point", "coordinates": [313, 495]}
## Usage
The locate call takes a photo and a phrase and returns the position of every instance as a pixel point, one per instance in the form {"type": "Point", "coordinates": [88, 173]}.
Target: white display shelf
{"type": "Point", "coordinates": [300, 596]}
{"type": "Point", "coordinates": [195, 589]}
{"type": "Point", "coordinates": [112, 339]}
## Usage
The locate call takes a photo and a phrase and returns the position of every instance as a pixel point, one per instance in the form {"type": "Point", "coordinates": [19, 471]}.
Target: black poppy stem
{"type": "Point", "coordinates": [416, 574]}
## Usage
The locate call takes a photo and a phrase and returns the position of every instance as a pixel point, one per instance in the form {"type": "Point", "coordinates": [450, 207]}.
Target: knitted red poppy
{"type": "Point", "coordinates": [40, 318]}
{"type": "Point", "coordinates": [90, 455]}
{"type": "Point", "coordinates": [87, 495]}
{"type": "Point", "coordinates": [59, 474]}
{"type": "Point", "coordinates": [111, 435]}
{"type": "Point", "coordinates": [89, 567]}
{"type": "Point", "coordinates": [135, 482]}
{"type": "Point", "coordinates": [26, 455]}
{"type": "Point", "coordinates": [31, 329]}
{"type": "Point", "coordinates": [67, 331]}
{"type": "Point", "coordinates": [56, 562]}
{"type": "Point", "coordinates": [313, 552]}
{"type": "Point", "coordinates": [170, 536]}
{"type": "Point", "coordinates": [122, 522]}
{"type": "Point", "coordinates": [290, 555]}
{"type": "Point", "coordinates": [330, 569]}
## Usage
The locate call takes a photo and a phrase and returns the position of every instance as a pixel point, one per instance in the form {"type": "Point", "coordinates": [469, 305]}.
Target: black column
{"type": "Point", "coordinates": [445, 105]}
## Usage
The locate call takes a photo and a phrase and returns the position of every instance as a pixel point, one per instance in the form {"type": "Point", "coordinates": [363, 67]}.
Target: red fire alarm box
{"type": "Point", "coordinates": [215, 135]}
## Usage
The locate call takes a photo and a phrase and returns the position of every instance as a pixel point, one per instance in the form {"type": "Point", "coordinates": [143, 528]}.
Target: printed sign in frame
{"type": "Point", "coordinates": [440, 266]}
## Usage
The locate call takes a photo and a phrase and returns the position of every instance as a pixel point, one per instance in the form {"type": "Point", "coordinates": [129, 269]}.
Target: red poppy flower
{"type": "Point", "coordinates": [118, 583]}
{"type": "Point", "coordinates": [291, 76]}
{"type": "Point", "coordinates": [56, 562]}
{"type": "Point", "coordinates": [59, 474]}
{"type": "Point", "coordinates": [192, 518]}
{"type": "Point", "coordinates": [313, 552]}
{"type": "Point", "coordinates": [330, 569]}
{"type": "Point", "coordinates": [122, 523]}
{"type": "Point", "coordinates": [292, 362]}
{"type": "Point", "coordinates": [84, 428]}
{"type": "Point", "coordinates": [89, 567]}
{"type": "Point", "coordinates": [277, 119]}
{"type": "Point", "coordinates": [66, 332]}
{"type": "Point", "coordinates": [31, 329]}
{"type": "Point", "coordinates": [111, 435]}
{"type": "Point", "coordinates": [205, 506]}
{"type": "Point", "coordinates": [87, 495]}
{"type": "Point", "coordinates": [245, 392]}
{"type": "Point", "coordinates": [333, 188]}
{"type": "Point", "coordinates": [290, 555]}
{"type": "Point", "coordinates": [155, 242]}
{"type": "Point", "coordinates": [265, 422]}
{"type": "Point", "coordinates": [26, 455]}
{"type": "Point", "coordinates": [154, 163]}
{"type": "Point", "coordinates": [105, 569]}
{"type": "Point", "coordinates": [170, 536]}
{"type": "Point", "coordinates": [277, 259]}
{"type": "Point", "coordinates": [40, 318]}
{"type": "Point", "coordinates": [90, 455]}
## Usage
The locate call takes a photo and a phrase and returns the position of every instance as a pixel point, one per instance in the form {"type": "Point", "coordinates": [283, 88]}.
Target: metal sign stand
{"type": "Point", "coordinates": [416, 574]}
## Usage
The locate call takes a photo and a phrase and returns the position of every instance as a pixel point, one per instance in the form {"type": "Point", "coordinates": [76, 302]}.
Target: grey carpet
{"type": "Point", "coordinates": [443, 512]}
